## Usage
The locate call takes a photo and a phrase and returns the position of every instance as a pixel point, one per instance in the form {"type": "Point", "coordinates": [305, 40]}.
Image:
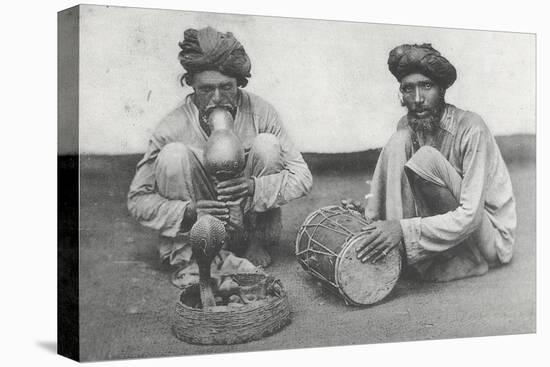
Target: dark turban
{"type": "Point", "coordinates": [424, 59]}
{"type": "Point", "coordinates": [208, 49]}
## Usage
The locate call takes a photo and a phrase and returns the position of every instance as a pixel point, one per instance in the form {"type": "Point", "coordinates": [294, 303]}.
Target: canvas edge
{"type": "Point", "coordinates": [68, 325]}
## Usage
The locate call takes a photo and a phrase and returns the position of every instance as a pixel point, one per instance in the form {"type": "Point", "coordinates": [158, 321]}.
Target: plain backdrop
{"type": "Point", "coordinates": [28, 206]}
{"type": "Point", "coordinates": [328, 80]}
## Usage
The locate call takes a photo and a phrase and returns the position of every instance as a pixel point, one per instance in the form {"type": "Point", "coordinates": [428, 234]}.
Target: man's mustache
{"type": "Point", "coordinates": [420, 109]}
{"type": "Point", "coordinates": [209, 108]}
{"type": "Point", "coordinates": [205, 113]}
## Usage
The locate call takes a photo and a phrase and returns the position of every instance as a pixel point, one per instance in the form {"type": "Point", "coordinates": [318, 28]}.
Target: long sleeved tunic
{"type": "Point", "coordinates": [465, 141]}
{"type": "Point", "coordinates": [254, 116]}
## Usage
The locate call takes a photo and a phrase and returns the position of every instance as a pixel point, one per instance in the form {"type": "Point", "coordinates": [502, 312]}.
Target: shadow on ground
{"type": "Point", "coordinates": [50, 346]}
{"type": "Point", "coordinates": [127, 300]}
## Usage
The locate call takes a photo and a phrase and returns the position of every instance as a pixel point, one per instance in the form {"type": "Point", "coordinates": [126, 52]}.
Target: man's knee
{"type": "Point", "coordinates": [172, 159]}
{"type": "Point", "coordinates": [427, 153]}
{"type": "Point", "coordinates": [435, 183]}
{"type": "Point", "coordinates": [422, 159]}
{"type": "Point", "coordinates": [431, 165]}
{"type": "Point", "coordinates": [266, 149]}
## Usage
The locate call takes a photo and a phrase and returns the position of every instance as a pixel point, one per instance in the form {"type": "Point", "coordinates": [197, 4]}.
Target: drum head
{"type": "Point", "coordinates": [366, 283]}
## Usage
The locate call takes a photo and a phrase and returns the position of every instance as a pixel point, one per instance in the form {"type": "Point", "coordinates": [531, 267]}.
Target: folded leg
{"type": "Point", "coordinates": [180, 175]}
{"type": "Point", "coordinates": [436, 184]}
{"type": "Point", "coordinates": [263, 229]}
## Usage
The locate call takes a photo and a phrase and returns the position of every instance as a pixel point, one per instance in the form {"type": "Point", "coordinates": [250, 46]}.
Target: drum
{"type": "Point", "coordinates": [326, 248]}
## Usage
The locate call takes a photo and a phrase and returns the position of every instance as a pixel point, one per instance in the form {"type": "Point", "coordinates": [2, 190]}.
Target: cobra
{"type": "Point", "coordinates": [206, 237]}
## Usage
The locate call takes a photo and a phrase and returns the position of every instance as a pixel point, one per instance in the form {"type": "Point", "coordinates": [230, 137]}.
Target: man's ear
{"type": "Point", "coordinates": [189, 80]}
{"type": "Point", "coordinates": [400, 95]}
{"type": "Point", "coordinates": [443, 94]}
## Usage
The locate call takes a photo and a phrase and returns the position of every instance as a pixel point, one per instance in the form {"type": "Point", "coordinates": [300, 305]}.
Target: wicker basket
{"type": "Point", "coordinates": [239, 325]}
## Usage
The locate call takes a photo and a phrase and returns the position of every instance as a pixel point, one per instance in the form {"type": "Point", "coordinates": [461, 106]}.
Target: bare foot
{"type": "Point", "coordinates": [258, 256]}
{"type": "Point", "coordinates": [456, 268]}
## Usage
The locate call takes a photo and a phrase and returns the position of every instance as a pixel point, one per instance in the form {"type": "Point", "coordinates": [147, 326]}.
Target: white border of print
{"type": "Point", "coordinates": [29, 197]}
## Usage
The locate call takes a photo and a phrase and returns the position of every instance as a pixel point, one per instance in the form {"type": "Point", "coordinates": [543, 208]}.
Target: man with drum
{"type": "Point", "coordinates": [441, 191]}
{"type": "Point", "coordinates": [171, 187]}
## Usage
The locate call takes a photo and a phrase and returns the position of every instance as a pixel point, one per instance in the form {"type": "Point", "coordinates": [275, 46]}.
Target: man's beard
{"type": "Point", "coordinates": [429, 122]}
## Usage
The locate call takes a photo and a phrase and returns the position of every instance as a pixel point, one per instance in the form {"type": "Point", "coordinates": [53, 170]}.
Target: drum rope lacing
{"type": "Point", "coordinates": [337, 259]}
{"type": "Point", "coordinates": [322, 213]}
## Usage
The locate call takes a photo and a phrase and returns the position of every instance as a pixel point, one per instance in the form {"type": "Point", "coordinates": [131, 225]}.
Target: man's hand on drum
{"type": "Point", "coordinates": [383, 236]}
{"type": "Point", "coordinates": [353, 205]}
{"type": "Point", "coordinates": [235, 188]}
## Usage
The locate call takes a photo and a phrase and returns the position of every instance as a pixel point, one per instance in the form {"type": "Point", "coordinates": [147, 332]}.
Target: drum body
{"type": "Point", "coordinates": [326, 248]}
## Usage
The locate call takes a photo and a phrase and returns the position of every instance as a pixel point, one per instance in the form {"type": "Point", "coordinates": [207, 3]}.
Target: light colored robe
{"type": "Point", "coordinates": [254, 116]}
{"type": "Point", "coordinates": [465, 141]}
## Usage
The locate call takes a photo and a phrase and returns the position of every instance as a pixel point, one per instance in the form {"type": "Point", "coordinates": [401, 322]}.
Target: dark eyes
{"type": "Point", "coordinates": [410, 89]}
{"type": "Point", "coordinates": [206, 89]}
{"type": "Point", "coordinates": [209, 89]}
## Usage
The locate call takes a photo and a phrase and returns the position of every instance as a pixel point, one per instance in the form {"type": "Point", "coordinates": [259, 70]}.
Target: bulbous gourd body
{"type": "Point", "coordinates": [224, 154]}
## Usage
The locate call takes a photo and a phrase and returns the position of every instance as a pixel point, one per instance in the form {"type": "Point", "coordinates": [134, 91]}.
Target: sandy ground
{"type": "Point", "coordinates": [127, 301]}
